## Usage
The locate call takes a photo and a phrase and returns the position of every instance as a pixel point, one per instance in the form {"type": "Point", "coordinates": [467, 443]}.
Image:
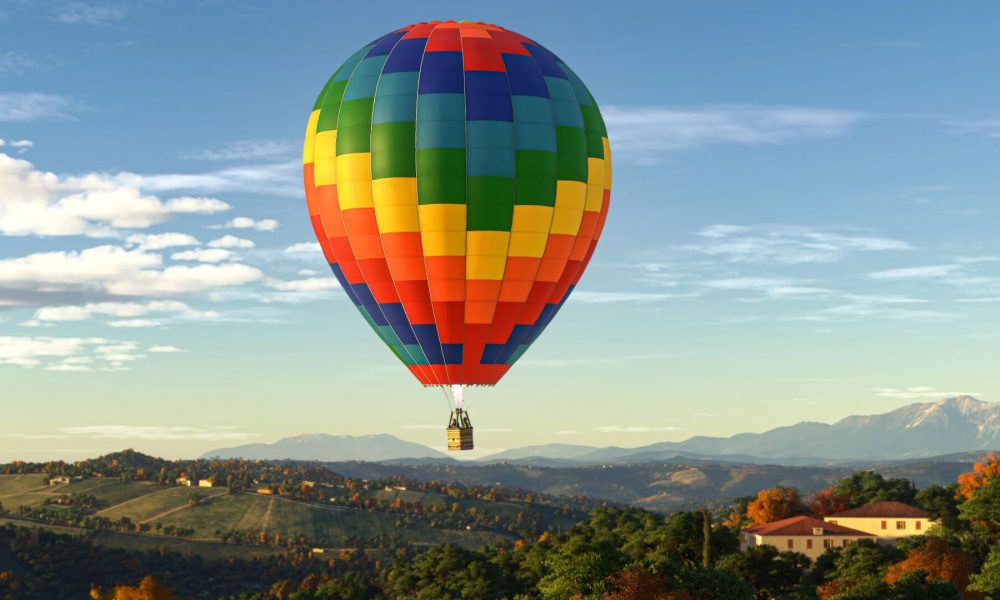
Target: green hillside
{"type": "Point", "coordinates": [159, 510]}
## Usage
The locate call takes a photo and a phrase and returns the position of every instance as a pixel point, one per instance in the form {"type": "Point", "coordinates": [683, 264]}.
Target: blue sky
{"type": "Point", "coordinates": [803, 225]}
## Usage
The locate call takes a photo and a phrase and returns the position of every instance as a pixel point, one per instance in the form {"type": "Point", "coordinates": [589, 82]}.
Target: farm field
{"type": "Point", "coordinates": [218, 510]}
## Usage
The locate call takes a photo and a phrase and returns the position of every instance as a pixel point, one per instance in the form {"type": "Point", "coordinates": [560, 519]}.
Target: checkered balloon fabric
{"type": "Point", "coordinates": [458, 177]}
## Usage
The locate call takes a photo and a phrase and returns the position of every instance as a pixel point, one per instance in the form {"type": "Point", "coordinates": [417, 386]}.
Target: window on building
{"type": "Point", "coordinates": [918, 525]}
{"type": "Point", "coordinates": [900, 524]}
{"type": "Point", "coordinates": [845, 543]}
{"type": "Point", "coordinates": [884, 525]}
{"type": "Point", "coordinates": [791, 543]}
{"type": "Point", "coordinates": [828, 543]}
{"type": "Point", "coordinates": [809, 544]}
{"type": "Point", "coordinates": [832, 521]}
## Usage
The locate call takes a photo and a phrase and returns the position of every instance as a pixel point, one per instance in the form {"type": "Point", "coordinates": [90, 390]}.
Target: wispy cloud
{"type": "Point", "coordinates": [282, 178]}
{"type": "Point", "coordinates": [898, 44]}
{"type": "Point", "coordinates": [787, 244]}
{"type": "Point", "coordinates": [68, 354]}
{"type": "Point", "coordinates": [648, 134]}
{"type": "Point", "coordinates": [311, 284]}
{"type": "Point", "coordinates": [917, 393]}
{"type": "Point", "coordinates": [770, 286]}
{"type": "Point", "coordinates": [631, 429]}
{"type": "Point", "coordinates": [550, 363]}
{"type": "Point", "coordinates": [15, 63]}
{"type": "Point", "coordinates": [156, 432]}
{"type": "Point", "coordinates": [30, 106]}
{"type": "Point", "coordinates": [588, 297]}
{"type": "Point", "coordinates": [89, 13]}
{"type": "Point", "coordinates": [923, 272]}
{"type": "Point", "coordinates": [983, 127]}
{"type": "Point", "coordinates": [247, 150]}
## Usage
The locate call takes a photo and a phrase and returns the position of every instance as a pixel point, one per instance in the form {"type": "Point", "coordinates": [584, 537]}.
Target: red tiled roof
{"type": "Point", "coordinates": [803, 525]}
{"type": "Point", "coordinates": [885, 509]}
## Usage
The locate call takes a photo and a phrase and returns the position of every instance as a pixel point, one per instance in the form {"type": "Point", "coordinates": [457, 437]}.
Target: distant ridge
{"type": "Point", "coordinates": [324, 447]}
{"type": "Point", "coordinates": [921, 430]}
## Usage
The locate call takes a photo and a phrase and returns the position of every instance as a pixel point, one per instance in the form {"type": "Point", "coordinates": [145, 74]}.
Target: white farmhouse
{"type": "Point", "coordinates": [808, 535]}
{"type": "Point", "coordinates": [888, 521]}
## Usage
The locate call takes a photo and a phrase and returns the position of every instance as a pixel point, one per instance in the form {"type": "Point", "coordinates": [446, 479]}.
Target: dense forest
{"type": "Point", "coordinates": [614, 553]}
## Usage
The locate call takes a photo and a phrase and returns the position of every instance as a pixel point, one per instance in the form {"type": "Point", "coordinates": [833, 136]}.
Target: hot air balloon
{"type": "Point", "coordinates": [457, 176]}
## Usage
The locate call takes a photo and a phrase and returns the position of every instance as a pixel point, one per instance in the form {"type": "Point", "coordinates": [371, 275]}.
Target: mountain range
{"type": "Point", "coordinates": [324, 447]}
{"type": "Point", "coordinates": [921, 430]}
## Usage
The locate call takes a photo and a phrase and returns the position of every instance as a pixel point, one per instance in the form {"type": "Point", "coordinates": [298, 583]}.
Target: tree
{"type": "Point", "coordinates": [864, 559]}
{"type": "Point", "coordinates": [771, 573]}
{"type": "Point", "coordinates": [148, 589]}
{"type": "Point", "coordinates": [987, 580]}
{"type": "Point", "coordinates": [981, 473]}
{"type": "Point", "coordinates": [827, 502]}
{"type": "Point", "coordinates": [775, 504]}
{"type": "Point", "coordinates": [574, 576]}
{"type": "Point", "coordinates": [983, 505]}
{"type": "Point", "coordinates": [637, 583]}
{"type": "Point", "coordinates": [941, 502]}
{"type": "Point", "coordinates": [937, 560]}
{"type": "Point", "coordinates": [867, 487]}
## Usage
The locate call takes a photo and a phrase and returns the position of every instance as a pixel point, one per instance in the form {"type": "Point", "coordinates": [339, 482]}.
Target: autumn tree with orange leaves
{"type": "Point", "coordinates": [827, 502]}
{"type": "Point", "coordinates": [982, 471]}
{"type": "Point", "coordinates": [775, 504]}
{"type": "Point", "coordinates": [148, 589]}
{"type": "Point", "coordinates": [938, 560]}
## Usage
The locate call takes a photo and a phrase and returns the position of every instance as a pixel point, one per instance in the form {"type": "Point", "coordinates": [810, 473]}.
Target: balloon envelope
{"type": "Point", "coordinates": [458, 177]}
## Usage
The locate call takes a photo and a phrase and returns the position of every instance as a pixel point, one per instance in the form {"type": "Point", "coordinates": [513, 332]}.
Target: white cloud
{"type": "Point", "coordinates": [115, 309]}
{"type": "Point", "coordinates": [30, 106]}
{"type": "Point", "coordinates": [20, 145]}
{"type": "Point", "coordinates": [164, 349]}
{"type": "Point", "coordinates": [156, 432]}
{"type": "Point", "coordinates": [116, 271]}
{"type": "Point", "coordinates": [312, 284]}
{"type": "Point", "coordinates": [67, 354]}
{"type": "Point", "coordinates": [197, 205]}
{"type": "Point", "coordinates": [785, 244]}
{"type": "Point", "coordinates": [159, 241]}
{"type": "Point", "coordinates": [91, 14]}
{"type": "Point", "coordinates": [304, 248]}
{"type": "Point", "coordinates": [231, 241]}
{"type": "Point", "coordinates": [34, 202]}
{"type": "Point", "coordinates": [248, 223]}
{"type": "Point", "coordinates": [918, 392]}
{"type": "Point", "coordinates": [926, 272]}
{"type": "Point", "coordinates": [647, 134]}
{"type": "Point", "coordinates": [135, 323]}
{"type": "Point", "coordinates": [247, 150]}
{"type": "Point", "coordinates": [208, 255]}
